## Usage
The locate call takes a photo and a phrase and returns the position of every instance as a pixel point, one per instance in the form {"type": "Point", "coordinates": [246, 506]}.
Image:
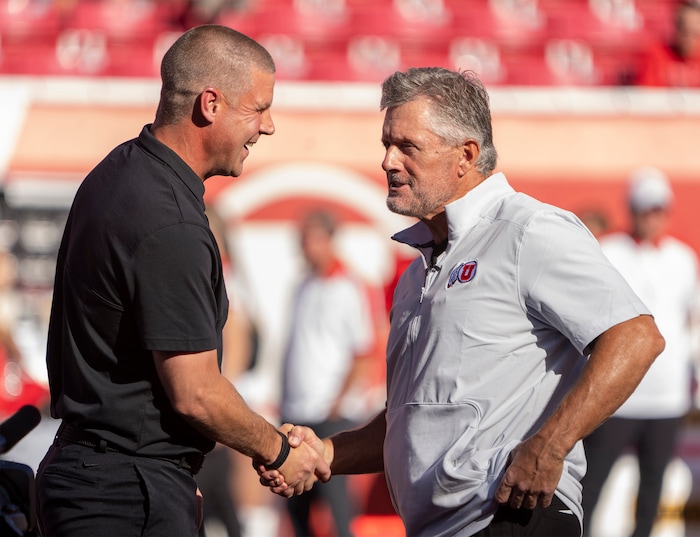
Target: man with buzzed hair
{"type": "Point", "coordinates": [134, 347]}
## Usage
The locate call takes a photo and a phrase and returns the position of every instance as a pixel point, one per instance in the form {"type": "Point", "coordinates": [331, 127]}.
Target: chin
{"type": "Point", "coordinates": [397, 208]}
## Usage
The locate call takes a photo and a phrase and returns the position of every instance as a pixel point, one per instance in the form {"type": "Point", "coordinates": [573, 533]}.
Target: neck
{"type": "Point", "coordinates": [438, 227]}
{"type": "Point", "coordinates": [439, 247]}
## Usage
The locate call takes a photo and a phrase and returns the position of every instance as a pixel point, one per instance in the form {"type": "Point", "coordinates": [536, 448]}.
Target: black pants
{"type": "Point", "coordinates": [654, 442]}
{"type": "Point", "coordinates": [85, 493]}
{"type": "Point", "coordinates": [557, 520]}
{"type": "Point", "coordinates": [334, 493]}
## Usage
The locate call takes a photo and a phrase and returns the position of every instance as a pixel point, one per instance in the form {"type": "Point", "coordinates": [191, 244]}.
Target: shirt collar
{"type": "Point", "coordinates": [166, 155]}
{"type": "Point", "coordinates": [462, 213]}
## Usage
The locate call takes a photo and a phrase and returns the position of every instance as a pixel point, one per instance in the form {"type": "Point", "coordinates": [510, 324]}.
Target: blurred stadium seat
{"type": "Point", "coordinates": [140, 58]}
{"type": "Point", "coordinates": [511, 23]}
{"type": "Point", "coordinates": [29, 18]}
{"type": "Point", "coordinates": [308, 20]}
{"type": "Point", "coordinates": [120, 19]}
{"type": "Point", "coordinates": [372, 58]}
{"type": "Point", "coordinates": [424, 24]}
{"type": "Point", "coordinates": [560, 62]}
{"type": "Point", "coordinates": [607, 25]}
{"type": "Point", "coordinates": [290, 55]}
{"type": "Point", "coordinates": [483, 56]}
{"type": "Point", "coordinates": [72, 52]}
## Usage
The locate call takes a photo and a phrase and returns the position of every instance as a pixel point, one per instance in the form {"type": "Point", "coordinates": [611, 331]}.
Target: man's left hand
{"type": "Point", "coordinates": [531, 477]}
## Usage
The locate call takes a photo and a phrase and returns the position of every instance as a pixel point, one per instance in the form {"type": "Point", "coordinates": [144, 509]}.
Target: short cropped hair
{"type": "Point", "coordinates": [206, 56]}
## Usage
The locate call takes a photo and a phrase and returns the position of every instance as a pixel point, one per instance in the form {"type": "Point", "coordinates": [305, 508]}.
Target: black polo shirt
{"type": "Point", "coordinates": [138, 270]}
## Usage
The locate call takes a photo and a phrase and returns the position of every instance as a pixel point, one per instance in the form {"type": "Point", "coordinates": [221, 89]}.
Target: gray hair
{"type": "Point", "coordinates": [459, 101]}
{"type": "Point", "coordinates": [206, 56]}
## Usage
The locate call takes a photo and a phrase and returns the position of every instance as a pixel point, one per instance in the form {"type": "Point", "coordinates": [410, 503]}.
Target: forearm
{"type": "Point", "coordinates": [226, 418]}
{"type": "Point", "coordinates": [620, 359]}
{"type": "Point", "coordinates": [211, 404]}
{"type": "Point", "coordinates": [359, 450]}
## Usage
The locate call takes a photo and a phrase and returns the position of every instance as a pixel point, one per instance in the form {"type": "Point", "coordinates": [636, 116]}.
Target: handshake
{"type": "Point", "coordinates": [306, 460]}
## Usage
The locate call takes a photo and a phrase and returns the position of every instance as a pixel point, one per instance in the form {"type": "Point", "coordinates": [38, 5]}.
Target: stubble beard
{"type": "Point", "coordinates": [415, 207]}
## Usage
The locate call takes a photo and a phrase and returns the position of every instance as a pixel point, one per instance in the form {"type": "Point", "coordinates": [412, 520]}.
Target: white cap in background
{"type": "Point", "coordinates": [649, 188]}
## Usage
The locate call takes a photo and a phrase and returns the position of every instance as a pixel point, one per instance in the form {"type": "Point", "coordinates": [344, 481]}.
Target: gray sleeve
{"type": "Point", "coordinates": [566, 281]}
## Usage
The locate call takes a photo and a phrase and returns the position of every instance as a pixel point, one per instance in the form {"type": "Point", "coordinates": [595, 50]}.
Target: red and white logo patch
{"type": "Point", "coordinates": [462, 273]}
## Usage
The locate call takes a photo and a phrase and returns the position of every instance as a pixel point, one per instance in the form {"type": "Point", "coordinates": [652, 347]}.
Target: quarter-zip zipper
{"type": "Point", "coordinates": [431, 273]}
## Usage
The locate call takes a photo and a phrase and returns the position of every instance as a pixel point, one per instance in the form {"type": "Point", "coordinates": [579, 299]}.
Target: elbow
{"type": "Point", "coordinates": [654, 343]}
{"type": "Point", "coordinates": [190, 406]}
{"type": "Point", "coordinates": [659, 344]}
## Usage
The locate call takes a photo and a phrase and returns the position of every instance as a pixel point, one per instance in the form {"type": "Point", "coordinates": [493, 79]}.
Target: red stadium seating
{"type": "Point", "coordinates": [483, 56]}
{"type": "Point", "coordinates": [512, 23]}
{"type": "Point", "coordinates": [604, 24]}
{"type": "Point", "coordinates": [303, 20]}
{"type": "Point", "coordinates": [121, 19]}
{"type": "Point", "coordinates": [564, 62]}
{"type": "Point", "coordinates": [426, 25]}
{"type": "Point", "coordinates": [290, 53]}
{"type": "Point", "coordinates": [31, 18]}
{"type": "Point", "coordinates": [506, 41]}
{"type": "Point", "coordinates": [73, 52]}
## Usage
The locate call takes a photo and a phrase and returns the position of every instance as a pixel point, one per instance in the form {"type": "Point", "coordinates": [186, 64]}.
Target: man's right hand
{"type": "Point", "coordinates": [307, 463]}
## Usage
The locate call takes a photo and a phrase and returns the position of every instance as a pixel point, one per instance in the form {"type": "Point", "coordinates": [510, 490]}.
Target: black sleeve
{"type": "Point", "coordinates": [175, 272]}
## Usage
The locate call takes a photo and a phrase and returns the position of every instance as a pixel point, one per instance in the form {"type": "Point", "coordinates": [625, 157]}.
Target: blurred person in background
{"type": "Point", "coordinates": [595, 220]}
{"type": "Point", "coordinates": [676, 63]}
{"type": "Point", "coordinates": [327, 362]}
{"type": "Point", "coordinates": [139, 306]}
{"type": "Point", "coordinates": [663, 271]}
{"type": "Point", "coordinates": [216, 478]}
{"type": "Point", "coordinates": [256, 512]}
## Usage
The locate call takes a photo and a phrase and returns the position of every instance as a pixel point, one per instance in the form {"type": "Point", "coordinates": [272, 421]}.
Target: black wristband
{"type": "Point", "coordinates": [284, 453]}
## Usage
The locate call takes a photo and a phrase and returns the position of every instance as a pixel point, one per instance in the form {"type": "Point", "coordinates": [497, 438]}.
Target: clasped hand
{"type": "Point", "coordinates": [304, 466]}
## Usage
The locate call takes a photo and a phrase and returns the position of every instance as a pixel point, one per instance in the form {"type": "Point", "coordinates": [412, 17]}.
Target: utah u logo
{"type": "Point", "coordinates": [462, 273]}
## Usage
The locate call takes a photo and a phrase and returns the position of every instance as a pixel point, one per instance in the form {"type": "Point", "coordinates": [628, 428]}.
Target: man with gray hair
{"type": "Point", "coordinates": [135, 335]}
{"type": "Point", "coordinates": [512, 337]}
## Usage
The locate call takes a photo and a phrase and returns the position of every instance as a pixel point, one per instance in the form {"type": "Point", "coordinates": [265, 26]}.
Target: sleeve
{"type": "Point", "coordinates": [175, 303]}
{"type": "Point", "coordinates": [568, 283]}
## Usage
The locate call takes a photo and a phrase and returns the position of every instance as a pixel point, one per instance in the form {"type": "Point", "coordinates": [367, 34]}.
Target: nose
{"type": "Point", "coordinates": [267, 126]}
{"type": "Point", "coordinates": [390, 161]}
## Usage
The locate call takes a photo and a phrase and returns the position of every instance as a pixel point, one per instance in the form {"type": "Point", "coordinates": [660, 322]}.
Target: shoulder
{"type": "Point", "coordinates": [680, 248]}
{"type": "Point", "coordinates": [532, 214]}
{"type": "Point", "coordinates": [616, 239]}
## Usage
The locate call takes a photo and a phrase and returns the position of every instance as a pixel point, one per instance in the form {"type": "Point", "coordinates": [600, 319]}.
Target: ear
{"type": "Point", "coordinates": [470, 152]}
{"type": "Point", "coordinates": [210, 103]}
